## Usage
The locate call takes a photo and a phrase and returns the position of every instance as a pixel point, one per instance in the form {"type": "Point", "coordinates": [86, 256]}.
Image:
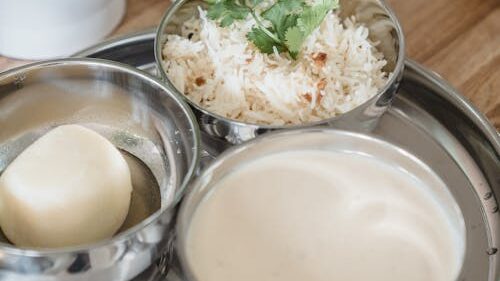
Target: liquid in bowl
{"type": "Point", "coordinates": [323, 215]}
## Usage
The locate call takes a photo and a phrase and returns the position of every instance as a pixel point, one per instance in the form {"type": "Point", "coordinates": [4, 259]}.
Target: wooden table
{"type": "Point", "coordinates": [459, 39]}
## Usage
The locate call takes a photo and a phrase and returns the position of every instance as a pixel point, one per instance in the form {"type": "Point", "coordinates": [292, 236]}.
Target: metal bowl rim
{"type": "Point", "coordinates": [129, 233]}
{"type": "Point", "coordinates": [117, 41]}
{"type": "Point", "coordinates": [393, 79]}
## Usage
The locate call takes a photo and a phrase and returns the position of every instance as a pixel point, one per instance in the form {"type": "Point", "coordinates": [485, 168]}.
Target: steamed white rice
{"type": "Point", "coordinates": [217, 68]}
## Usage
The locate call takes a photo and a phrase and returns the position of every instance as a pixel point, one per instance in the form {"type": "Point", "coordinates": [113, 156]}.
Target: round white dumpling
{"type": "Point", "coordinates": [70, 187]}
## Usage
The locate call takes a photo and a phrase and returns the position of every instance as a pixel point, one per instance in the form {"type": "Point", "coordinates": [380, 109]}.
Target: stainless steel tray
{"type": "Point", "coordinates": [428, 118]}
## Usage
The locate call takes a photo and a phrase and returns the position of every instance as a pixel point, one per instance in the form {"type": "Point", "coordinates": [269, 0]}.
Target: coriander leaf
{"type": "Point", "coordinates": [215, 10]}
{"type": "Point", "coordinates": [227, 11]}
{"type": "Point", "coordinates": [283, 14]}
{"type": "Point", "coordinates": [236, 10]}
{"type": "Point", "coordinates": [310, 19]}
{"type": "Point", "coordinates": [294, 38]}
{"type": "Point", "coordinates": [254, 3]}
{"type": "Point", "coordinates": [281, 8]}
{"type": "Point", "coordinates": [287, 22]}
{"type": "Point", "coordinates": [312, 16]}
{"type": "Point", "coordinates": [226, 21]}
{"type": "Point", "coordinates": [263, 41]}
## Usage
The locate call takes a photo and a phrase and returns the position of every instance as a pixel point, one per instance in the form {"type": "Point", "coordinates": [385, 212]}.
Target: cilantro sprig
{"type": "Point", "coordinates": [283, 26]}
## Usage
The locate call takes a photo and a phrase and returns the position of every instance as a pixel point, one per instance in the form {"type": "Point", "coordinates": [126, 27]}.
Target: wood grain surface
{"type": "Point", "coordinates": [459, 39]}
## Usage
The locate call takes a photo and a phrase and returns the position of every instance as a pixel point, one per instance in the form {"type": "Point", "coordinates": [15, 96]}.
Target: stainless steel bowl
{"type": "Point", "coordinates": [340, 141]}
{"type": "Point", "coordinates": [375, 14]}
{"type": "Point", "coordinates": [156, 131]}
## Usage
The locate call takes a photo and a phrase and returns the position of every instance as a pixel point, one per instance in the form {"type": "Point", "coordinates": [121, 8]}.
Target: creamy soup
{"type": "Point", "coordinates": [323, 216]}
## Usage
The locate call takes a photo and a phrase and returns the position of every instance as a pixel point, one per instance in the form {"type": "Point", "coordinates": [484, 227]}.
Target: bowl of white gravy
{"type": "Point", "coordinates": [320, 204]}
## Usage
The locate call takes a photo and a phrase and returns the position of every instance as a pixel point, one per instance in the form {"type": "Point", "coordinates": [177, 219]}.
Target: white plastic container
{"type": "Point", "coordinates": [43, 29]}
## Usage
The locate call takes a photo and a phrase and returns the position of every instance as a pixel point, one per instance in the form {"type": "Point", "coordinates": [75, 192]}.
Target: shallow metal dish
{"type": "Point", "coordinates": [429, 119]}
{"type": "Point", "coordinates": [374, 14]}
{"type": "Point", "coordinates": [135, 112]}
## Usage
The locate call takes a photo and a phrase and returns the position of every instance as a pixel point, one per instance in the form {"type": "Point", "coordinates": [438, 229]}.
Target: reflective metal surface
{"type": "Point", "coordinates": [384, 28]}
{"type": "Point", "coordinates": [429, 119]}
{"type": "Point", "coordinates": [156, 131]}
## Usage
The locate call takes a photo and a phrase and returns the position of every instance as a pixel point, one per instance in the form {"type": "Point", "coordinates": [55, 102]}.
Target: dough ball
{"type": "Point", "coordinates": [70, 187]}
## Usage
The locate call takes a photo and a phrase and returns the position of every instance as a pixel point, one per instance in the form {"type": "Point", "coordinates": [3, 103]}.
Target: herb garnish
{"type": "Point", "coordinates": [285, 25]}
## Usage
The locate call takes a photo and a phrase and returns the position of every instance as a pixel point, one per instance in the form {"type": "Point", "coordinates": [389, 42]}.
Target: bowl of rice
{"type": "Point", "coordinates": [216, 55]}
